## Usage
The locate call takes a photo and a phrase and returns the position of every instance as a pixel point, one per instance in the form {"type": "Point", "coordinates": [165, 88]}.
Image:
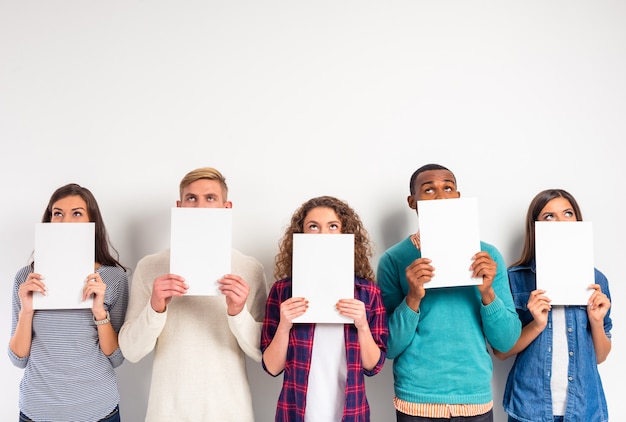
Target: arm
{"type": "Point", "coordinates": [275, 354]}
{"type": "Point", "coordinates": [355, 310]}
{"type": "Point", "coordinates": [539, 307]}
{"type": "Point", "coordinates": [23, 313]}
{"type": "Point", "coordinates": [244, 301]}
{"type": "Point", "coordinates": [501, 324]}
{"type": "Point", "coordinates": [402, 318]}
{"type": "Point", "coordinates": [144, 324]}
{"type": "Point", "coordinates": [370, 320]}
{"type": "Point", "coordinates": [96, 288]}
{"type": "Point", "coordinates": [597, 308]}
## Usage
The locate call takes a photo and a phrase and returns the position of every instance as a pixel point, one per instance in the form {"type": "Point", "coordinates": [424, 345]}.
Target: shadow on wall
{"type": "Point", "coordinates": [133, 381]}
{"type": "Point", "coordinates": [394, 228]}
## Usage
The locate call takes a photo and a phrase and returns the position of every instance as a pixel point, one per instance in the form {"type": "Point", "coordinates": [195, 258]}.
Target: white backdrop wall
{"type": "Point", "coordinates": [296, 99]}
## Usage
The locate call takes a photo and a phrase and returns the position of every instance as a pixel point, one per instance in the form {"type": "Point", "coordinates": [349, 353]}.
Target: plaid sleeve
{"type": "Point", "coordinates": [377, 316]}
{"type": "Point", "coordinates": [272, 316]}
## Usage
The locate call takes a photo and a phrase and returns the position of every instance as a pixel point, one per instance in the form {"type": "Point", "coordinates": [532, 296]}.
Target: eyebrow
{"type": "Point", "coordinates": [431, 182]}
{"type": "Point", "coordinates": [330, 222]}
{"type": "Point", "coordinates": [73, 209]}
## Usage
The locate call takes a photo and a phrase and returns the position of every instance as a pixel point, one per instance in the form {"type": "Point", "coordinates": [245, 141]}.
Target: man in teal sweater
{"type": "Point", "coordinates": [438, 339]}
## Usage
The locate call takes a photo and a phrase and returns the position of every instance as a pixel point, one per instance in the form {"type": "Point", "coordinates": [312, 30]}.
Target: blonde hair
{"type": "Point", "coordinates": [209, 173]}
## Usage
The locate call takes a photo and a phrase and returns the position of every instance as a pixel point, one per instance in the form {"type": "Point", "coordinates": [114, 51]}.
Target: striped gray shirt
{"type": "Point", "coordinates": [67, 377]}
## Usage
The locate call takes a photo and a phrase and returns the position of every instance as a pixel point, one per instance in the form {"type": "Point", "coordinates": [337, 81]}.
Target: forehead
{"type": "Point", "coordinates": [556, 204]}
{"type": "Point", "coordinates": [434, 177]}
{"type": "Point", "coordinates": [203, 187]}
{"type": "Point", "coordinates": [72, 201]}
{"type": "Point", "coordinates": [321, 214]}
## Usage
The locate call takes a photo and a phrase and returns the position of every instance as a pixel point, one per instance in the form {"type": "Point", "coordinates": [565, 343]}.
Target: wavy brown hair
{"type": "Point", "coordinates": [350, 224]}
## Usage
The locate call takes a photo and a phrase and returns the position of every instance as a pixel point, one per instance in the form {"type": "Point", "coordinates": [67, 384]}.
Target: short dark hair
{"type": "Point", "coordinates": [424, 168]}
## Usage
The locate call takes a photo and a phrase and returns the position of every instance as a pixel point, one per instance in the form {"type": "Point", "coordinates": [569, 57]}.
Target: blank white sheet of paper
{"type": "Point", "coordinates": [449, 237]}
{"type": "Point", "coordinates": [64, 255]}
{"type": "Point", "coordinates": [323, 273]}
{"type": "Point", "coordinates": [200, 247]}
{"type": "Point", "coordinates": [564, 258]}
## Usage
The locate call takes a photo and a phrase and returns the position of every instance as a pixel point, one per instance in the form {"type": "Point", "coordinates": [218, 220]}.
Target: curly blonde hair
{"type": "Point", "coordinates": [350, 223]}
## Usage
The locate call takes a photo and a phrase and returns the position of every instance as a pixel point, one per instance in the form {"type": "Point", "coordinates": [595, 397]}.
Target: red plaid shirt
{"type": "Point", "coordinates": [292, 400]}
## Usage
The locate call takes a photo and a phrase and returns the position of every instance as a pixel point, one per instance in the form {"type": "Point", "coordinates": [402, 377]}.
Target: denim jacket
{"type": "Point", "coordinates": [527, 396]}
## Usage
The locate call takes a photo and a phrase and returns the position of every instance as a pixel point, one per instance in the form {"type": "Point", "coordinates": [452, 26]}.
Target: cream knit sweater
{"type": "Point", "coordinates": [199, 369]}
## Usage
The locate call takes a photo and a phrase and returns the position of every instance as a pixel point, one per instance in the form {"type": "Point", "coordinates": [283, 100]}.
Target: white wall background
{"type": "Point", "coordinates": [295, 99]}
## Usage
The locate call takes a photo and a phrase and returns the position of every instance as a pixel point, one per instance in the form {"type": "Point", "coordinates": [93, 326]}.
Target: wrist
{"type": "Point", "coordinates": [26, 313]}
{"type": "Point", "coordinates": [103, 321]}
{"type": "Point", "coordinates": [159, 308]}
{"type": "Point", "coordinates": [413, 303]}
{"type": "Point", "coordinates": [488, 296]}
{"type": "Point", "coordinates": [234, 310]}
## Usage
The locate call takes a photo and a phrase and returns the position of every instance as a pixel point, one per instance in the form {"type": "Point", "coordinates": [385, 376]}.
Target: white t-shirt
{"type": "Point", "coordinates": [326, 391]}
{"type": "Point", "coordinates": [560, 361]}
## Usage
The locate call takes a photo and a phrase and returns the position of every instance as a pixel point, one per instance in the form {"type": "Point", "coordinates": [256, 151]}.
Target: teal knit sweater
{"type": "Point", "coordinates": [441, 353]}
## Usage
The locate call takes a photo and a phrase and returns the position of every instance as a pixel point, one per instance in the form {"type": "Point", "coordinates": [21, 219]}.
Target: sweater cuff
{"type": "Point", "coordinates": [155, 318]}
{"type": "Point", "coordinates": [496, 306]}
{"type": "Point", "coordinates": [408, 313]}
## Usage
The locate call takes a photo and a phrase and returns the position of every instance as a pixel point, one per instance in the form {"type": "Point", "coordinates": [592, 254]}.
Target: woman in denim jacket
{"type": "Point", "coordinates": [555, 375]}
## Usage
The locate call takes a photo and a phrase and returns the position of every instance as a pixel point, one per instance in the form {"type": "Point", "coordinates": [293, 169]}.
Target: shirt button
{"type": "Point", "coordinates": [571, 353]}
{"type": "Point", "coordinates": [570, 378]}
{"type": "Point", "coordinates": [569, 329]}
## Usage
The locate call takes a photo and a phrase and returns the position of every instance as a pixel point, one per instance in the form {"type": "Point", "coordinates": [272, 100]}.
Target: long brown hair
{"type": "Point", "coordinates": [536, 205]}
{"type": "Point", "coordinates": [103, 254]}
{"type": "Point", "coordinates": [350, 223]}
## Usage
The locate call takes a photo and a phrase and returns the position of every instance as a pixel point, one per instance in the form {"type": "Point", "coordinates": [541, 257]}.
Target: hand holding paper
{"type": "Point", "coordinates": [291, 309]}
{"type": "Point", "coordinates": [95, 289]}
{"type": "Point", "coordinates": [419, 272]}
{"type": "Point", "coordinates": [355, 310]}
{"type": "Point", "coordinates": [164, 288]}
{"type": "Point", "coordinates": [236, 291]}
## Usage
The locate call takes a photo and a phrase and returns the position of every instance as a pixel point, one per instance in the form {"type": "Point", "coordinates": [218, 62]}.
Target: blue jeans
{"type": "Point", "coordinates": [114, 416]}
{"type": "Point", "coordinates": [486, 417]}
